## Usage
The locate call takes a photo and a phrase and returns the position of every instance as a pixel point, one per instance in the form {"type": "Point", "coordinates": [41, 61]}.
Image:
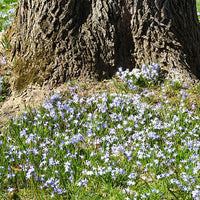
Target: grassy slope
{"type": "Point", "coordinates": [154, 106]}
{"type": "Point", "coordinates": [105, 187]}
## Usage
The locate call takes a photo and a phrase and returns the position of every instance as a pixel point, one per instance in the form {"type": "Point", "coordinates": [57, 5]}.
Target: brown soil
{"type": "Point", "coordinates": [33, 96]}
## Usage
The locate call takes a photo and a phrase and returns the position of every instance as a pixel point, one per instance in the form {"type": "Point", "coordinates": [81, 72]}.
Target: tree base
{"type": "Point", "coordinates": [56, 41]}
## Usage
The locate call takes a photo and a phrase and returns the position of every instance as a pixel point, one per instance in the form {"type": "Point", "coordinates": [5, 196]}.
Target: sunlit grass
{"type": "Point", "coordinates": [198, 8]}
{"type": "Point", "coordinates": [7, 9]}
{"type": "Point", "coordinates": [141, 142]}
{"type": "Point", "coordinates": [198, 4]}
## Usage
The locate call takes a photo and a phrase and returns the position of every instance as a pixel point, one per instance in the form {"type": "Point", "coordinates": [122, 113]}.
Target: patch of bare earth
{"type": "Point", "coordinates": [33, 96]}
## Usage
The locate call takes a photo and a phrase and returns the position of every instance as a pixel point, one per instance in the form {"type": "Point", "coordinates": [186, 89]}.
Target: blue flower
{"type": "Point", "coordinates": [82, 183]}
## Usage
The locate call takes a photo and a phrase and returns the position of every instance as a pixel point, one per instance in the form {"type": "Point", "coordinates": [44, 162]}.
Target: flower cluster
{"type": "Point", "coordinates": [72, 147]}
{"type": "Point", "coordinates": [144, 76]}
{"type": "Point", "coordinates": [6, 15]}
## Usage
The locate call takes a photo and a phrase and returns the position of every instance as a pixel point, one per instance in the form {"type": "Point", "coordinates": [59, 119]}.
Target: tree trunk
{"type": "Point", "coordinates": [55, 40]}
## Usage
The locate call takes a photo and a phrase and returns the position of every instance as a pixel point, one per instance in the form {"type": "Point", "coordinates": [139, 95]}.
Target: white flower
{"type": "Point", "coordinates": [67, 166]}
{"type": "Point", "coordinates": [10, 189]}
{"type": "Point", "coordinates": [136, 72]}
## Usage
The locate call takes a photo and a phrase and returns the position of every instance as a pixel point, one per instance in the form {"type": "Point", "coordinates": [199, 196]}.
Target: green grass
{"type": "Point", "coordinates": [198, 7]}
{"type": "Point", "coordinates": [140, 141]}
{"type": "Point", "coordinates": [198, 4]}
{"type": "Point", "coordinates": [7, 8]}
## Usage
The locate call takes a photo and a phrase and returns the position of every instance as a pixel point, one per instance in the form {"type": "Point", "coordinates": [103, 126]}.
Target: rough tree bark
{"type": "Point", "coordinates": [54, 40]}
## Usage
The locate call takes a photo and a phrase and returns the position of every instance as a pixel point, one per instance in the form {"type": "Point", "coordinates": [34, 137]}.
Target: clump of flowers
{"type": "Point", "coordinates": [198, 13]}
{"type": "Point", "coordinates": [68, 148]}
{"type": "Point", "coordinates": [147, 75]}
{"type": "Point", "coordinates": [6, 14]}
